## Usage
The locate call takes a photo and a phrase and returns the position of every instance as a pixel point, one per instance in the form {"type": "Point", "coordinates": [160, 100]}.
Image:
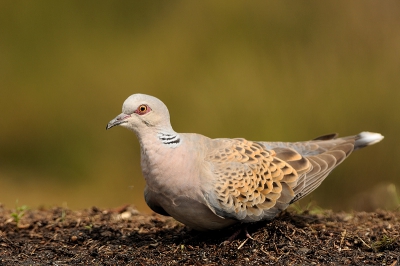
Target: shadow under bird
{"type": "Point", "coordinates": [210, 184]}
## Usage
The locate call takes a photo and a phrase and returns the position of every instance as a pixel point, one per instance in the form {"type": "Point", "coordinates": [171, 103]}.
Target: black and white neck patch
{"type": "Point", "coordinates": [172, 140]}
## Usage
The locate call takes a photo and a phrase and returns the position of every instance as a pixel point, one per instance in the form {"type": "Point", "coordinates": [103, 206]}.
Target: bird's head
{"type": "Point", "coordinates": [141, 112]}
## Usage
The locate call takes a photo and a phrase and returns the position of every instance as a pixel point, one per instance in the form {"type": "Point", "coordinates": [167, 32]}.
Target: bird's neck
{"type": "Point", "coordinates": [161, 138]}
{"type": "Point", "coordinates": [170, 139]}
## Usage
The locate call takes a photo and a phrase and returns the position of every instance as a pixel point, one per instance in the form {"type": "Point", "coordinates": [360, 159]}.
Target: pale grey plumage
{"type": "Point", "coordinates": [210, 184]}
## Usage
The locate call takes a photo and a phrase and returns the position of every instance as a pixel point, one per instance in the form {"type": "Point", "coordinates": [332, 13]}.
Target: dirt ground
{"type": "Point", "coordinates": [123, 236]}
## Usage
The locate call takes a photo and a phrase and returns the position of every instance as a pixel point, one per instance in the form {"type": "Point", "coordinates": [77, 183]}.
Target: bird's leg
{"type": "Point", "coordinates": [247, 233]}
{"type": "Point", "coordinates": [242, 228]}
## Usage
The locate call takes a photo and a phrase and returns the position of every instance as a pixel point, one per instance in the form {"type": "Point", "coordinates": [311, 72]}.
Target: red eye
{"type": "Point", "coordinates": [143, 109]}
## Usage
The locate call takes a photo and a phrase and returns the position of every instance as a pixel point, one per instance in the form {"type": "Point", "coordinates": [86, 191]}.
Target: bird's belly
{"type": "Point", "coordinates": [194, 214]}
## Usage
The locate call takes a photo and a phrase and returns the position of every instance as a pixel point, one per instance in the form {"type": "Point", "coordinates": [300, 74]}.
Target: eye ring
{"type": "Point", "coordinates": [143, 109]}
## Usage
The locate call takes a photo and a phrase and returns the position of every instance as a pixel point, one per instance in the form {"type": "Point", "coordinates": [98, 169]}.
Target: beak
{"type": "Point", "coordinates": [120, 119]}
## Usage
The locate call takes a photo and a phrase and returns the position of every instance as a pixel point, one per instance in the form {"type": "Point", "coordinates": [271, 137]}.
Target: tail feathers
{"type": "Point", "coordinates": [333, 152]}
{"type": "Point", "coordinates": [366, 138]}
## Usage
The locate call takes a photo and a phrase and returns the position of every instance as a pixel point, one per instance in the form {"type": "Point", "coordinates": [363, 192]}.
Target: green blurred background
{"type": "Point", "coordinates": [262, 70]}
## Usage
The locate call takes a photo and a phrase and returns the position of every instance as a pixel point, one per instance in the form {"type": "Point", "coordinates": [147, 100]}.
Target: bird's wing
{"type": "Point", "coordinates": [251, 183]}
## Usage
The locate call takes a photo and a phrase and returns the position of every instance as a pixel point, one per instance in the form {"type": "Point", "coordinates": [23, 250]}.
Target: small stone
{"type": "Point", "coordinates": [304, 250]}
{"type": "Point", "coordinates": [23, 226]}
{"type": "Point", "coordinates": [126, 215]}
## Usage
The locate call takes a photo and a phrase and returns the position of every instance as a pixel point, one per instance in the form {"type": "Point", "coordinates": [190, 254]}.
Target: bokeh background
{"type": "Point", "coordinates": [263, 70]}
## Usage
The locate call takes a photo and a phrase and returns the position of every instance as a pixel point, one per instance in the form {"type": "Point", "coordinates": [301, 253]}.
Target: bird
{"type": "Point", "coordinates": [211, 184]}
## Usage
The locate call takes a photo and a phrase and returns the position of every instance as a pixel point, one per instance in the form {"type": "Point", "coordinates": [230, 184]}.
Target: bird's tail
{"type": "Point", "coordinates": [366, 138]}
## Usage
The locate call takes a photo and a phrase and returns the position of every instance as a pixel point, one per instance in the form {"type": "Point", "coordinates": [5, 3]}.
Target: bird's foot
{"type": "Point", "coordinates": [243, 228]}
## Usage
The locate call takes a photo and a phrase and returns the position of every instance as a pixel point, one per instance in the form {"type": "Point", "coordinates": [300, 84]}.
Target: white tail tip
{"type": "Point", "coordinates": [366, 139]}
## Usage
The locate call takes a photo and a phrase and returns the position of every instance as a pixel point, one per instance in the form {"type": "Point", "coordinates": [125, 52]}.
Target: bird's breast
{"type": "Point", "coordinates": [169, 170]}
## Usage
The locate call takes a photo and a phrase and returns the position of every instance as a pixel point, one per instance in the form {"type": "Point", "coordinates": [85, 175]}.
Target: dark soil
{"type": "Point", "coordinates": [124, 237]}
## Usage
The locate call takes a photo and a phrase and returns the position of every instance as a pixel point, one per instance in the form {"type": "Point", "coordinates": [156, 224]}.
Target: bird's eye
{"type": "Point", "coordinates": [143, 109]}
